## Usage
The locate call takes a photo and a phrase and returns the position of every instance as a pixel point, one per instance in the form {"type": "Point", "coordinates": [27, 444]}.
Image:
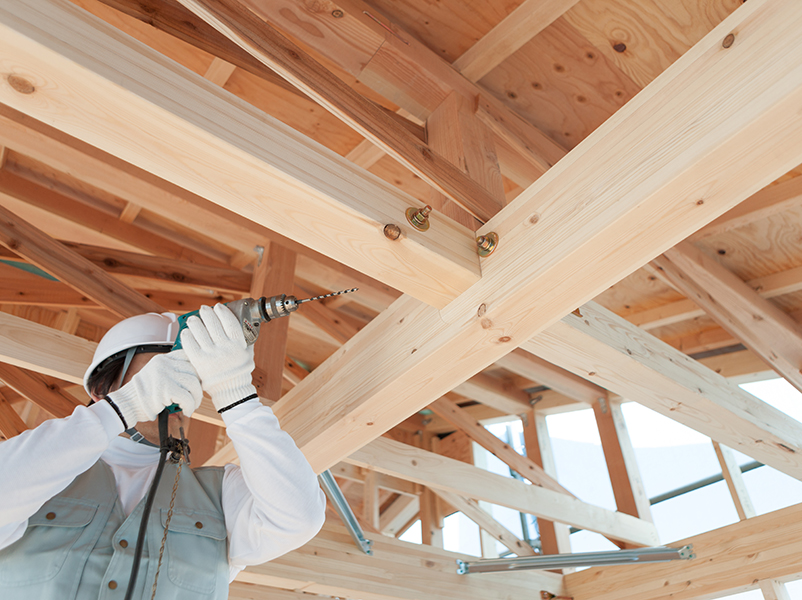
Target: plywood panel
{"type": "Point", "coordinates": [561, 83]}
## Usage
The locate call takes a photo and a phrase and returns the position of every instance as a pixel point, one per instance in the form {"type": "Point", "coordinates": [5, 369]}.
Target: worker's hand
{"type": "Point", "coordinates": [216, 347]}
{"type": "Point", "coordinates": [165, 379]}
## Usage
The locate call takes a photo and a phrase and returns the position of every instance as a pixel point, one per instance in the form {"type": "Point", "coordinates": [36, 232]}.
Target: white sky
{"type": "Point", "coordinates": [669, 454]}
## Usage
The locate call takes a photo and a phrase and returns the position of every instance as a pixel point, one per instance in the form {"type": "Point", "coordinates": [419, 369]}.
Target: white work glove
{"type": "Point", "coordinates": [165, 379]}
{"type": "Point", "coordinates": [216, 348]}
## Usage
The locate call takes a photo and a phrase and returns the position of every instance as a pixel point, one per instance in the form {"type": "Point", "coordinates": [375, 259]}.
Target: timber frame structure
{"type": "Point", "coordinates": [638, 161]}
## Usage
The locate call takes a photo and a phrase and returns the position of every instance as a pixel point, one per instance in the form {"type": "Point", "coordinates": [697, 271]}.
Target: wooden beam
{"type": "Point", "coordinates": [292, 63]}
{"type": "Point", "coordinates": [285, 181]}
{"type": "Point", "coordinates": [771, 200]}
{"type": "Point", "coordinates": [774, 590]}
{"type": "Point", "coordinates": [11, 423]}
{"type": "Point", "coordinates": [623, 178]}
{"type": "Point", "coordinates": [731, 471]}
{"type": "Point", "coordinates": [20, 287]}
{"type": "Point", "coordinates": [528, 469]}
{"type": "Point", "coordinates": [39, 390]}
{"type": "Point", "coordinates": [370, 500]}
{"type": "Point", "coordinates": [622, 466]}
{"type": "Point", "coordinates": [516, 29]}
{"type": "Point", "coordinates": [472, 510]}
{"type": "Point", "coordinates": [330, 565]}
{"type": "Point", "coordinates": [384, 482]}
{"type": "Point", "coordinates": [554, 537]}
{"type": "Point", "coordinates": [398, 514]}
{"type": "Point", "coordinates": [762, 327]}
{"type": "Point", "coordinates": [441, 473]}
{"type": "Point", "coordinates": [494, 392]}
{"type": "Point", "coordinates": [219, 71]}
{"type": "Point", "coordinates": [527, 365]}
{"type": "Point", "coordinates": [31, 346]}
{"type": "Point", "coordinates": [626, 360]}
{"type": "Point", "coordinates": [729, 560]}
{"type": "Point", "coordinates": [275, 275]}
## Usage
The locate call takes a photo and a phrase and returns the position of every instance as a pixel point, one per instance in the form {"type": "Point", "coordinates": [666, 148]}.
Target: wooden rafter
{"type": "Point", "coordinates": [283, 181]}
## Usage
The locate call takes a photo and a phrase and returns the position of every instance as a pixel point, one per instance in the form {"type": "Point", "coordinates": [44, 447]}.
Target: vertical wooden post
{"type": "Point", "coordinates": [272, 276]}
{"type": "Point", "coordinates": [370, 500]}
{"type": "Point", "coordinates": [431, 522]}
{"type": "Point", "coordinates": [487, 541]}
{"type": "Point", "coordinates": [630, 497]}
{"type": "Point", "coordinates": [454, 131]}
{"type": "Point", "coordinates": [554, 537]}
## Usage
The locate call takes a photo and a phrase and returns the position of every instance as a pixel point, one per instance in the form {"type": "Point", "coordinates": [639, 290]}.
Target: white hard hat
{"type": "Point", "coordinates": [141, 330]}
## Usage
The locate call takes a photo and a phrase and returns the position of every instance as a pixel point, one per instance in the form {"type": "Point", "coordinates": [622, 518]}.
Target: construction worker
{"type": "Point", "coordinates": [74, 489]}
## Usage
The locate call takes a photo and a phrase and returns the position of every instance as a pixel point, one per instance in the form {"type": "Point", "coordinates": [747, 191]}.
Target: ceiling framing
{"type": "Point", "coordinates": [637, 160]}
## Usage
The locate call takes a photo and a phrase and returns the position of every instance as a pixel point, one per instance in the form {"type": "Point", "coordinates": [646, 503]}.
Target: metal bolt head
{"type": "Point", "coordinates": [487, 244]}
{"type": "Point", "coordinates": [392, 231]}
{"type": "Point", "coordinates": [419, 217]}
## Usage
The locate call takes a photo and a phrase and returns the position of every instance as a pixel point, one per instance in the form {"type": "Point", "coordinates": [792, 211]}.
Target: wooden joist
{"type": "Point", "coordinates": [646, 169]}
{"type": "Point", "coordinates": [331, 565]}
{"type": "Point", "coordinates": [760, 325]}
{"type": "Point", "coordinates": [218, 147]}
{"type": "Point", "coordinates": [71, 268]}
{"type": "Point", "coordinates": [624, 359]}
{"type": "Point", "coordinates": [39, 390]}
{"type": "Point", "coordinates": [442, 473]}
{"type": "Point", "coordinates": [11, 423]}
{"type": "Point", "coordinates": [728, 560]}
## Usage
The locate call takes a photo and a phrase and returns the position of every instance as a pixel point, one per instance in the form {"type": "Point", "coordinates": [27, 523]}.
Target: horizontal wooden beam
{"type": "Point", "coordinates": [442, 473]}
{"type": "Point", "coordinates": [331, 565]}
{"type": "Point", "coordinates": [283, 180]}
{"type": "Point", "coordinates": [728, 560]}
{"type": "Point", "coordinates": [623, 178]}
{"type": "Point", "coordinates": [624, 359]}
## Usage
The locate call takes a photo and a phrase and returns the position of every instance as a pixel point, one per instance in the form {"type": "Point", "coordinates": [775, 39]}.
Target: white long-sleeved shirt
{"type": "Point", "coordinates": [272, 502]}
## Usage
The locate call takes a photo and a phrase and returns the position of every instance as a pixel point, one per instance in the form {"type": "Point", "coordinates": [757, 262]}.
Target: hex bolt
{"type": "Point", "coordinates": [486, 244]}
{"type": "Point", "coordinates": [419, 218]}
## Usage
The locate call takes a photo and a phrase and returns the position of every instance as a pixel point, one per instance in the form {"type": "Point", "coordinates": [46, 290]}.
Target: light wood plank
{"type": "Point", "coordinates": [624, 178]}
{"type": "Point", "coordinates": [130, 212]}
{"type": "Point", "coordinates": [268, 45]}
{"type": "Point", "coordinates": [626, 360]}
{"type": "Point", "coordinates": [365, 154]}
{"type": "Point", "coordinates": [283, 180]}
{"type": "Point", "coordinates": [471, 509]}
{"type": "Point", "coordinates": [521, 25]}
{"type": "Point", "coordinates": [439, 472]}
{"type": "Point", "coordinates": [760, 325]}
{"type": "Point", "coordinates": [622, 466]}
{"type": "Point", "coordinates": [774, 590]}
{"type": "Point", "coordinates": [528, 469]}
{"type": "Point", "coordinates": [370, 500]}
{"type": "Point", "coordinates": [219, 71]}
{"type": "Point", "coordinates": [727, 563]}
{"type": "Point", "coordinates": [735, 481]}
{"type": "Point", "coordinates": [330, 565]}
{"type": "Point", "coordinates": [398, 514]}
{"type": "Point", "coordinates": [494, 392]}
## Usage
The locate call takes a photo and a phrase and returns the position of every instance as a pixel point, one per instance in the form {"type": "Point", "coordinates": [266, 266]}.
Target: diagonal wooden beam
{"type": "Point", "coordinates": [71, 268]}
{"type": "Point", "coordinates": [11, 423]}
{"type": "Point", "coordinates": [472, 510]}
{"type": "Point", "coordinates": [760, 325]}
{"type": "Point", "coordinates": [442, 473]}
{"type": "Point", "coordinates": [727, 562]}
{"type": "Point", "coordinates": [396, 516]}
{"type": "Point", "coordinates": [516, 29]}
{"type": "Point", "coordinates": [561, 239]}
{"type": "Point", "coordinates": [523, 466]}
{"type": "Point", "coordinates": [626, 360]}
{"type": "Point", "coordinates": [263, 171]}
{"type": "Point", "coordinates": [38, 389]}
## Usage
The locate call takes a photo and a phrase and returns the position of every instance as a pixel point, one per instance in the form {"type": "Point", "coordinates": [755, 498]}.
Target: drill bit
{"type": "Point", "coordinates": [326, 296]}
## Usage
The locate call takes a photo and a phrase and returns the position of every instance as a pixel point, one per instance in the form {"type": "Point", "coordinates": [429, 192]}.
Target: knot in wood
{"type": "Point", "coordinates": [21, 85]}
{"type": "Point", "coordinates": [482, 310]}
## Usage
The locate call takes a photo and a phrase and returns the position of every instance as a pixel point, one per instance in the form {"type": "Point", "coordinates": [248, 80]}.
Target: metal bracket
{"type": "Point", "coordinates": [346, 514]}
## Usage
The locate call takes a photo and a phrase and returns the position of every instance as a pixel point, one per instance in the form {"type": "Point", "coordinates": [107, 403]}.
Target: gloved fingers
{"type": "Point", "coordinates": [200, 332]}
{"type": "Point", "coordinates": [213, 325]}
{"type": "Point", "coordinates": [229, 322]}
{"type": "Point", "coordinates": [186, 393]}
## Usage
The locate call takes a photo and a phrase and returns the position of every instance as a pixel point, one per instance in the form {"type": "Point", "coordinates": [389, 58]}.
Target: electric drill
{"type": "Point", "coordinates": [252, 313]}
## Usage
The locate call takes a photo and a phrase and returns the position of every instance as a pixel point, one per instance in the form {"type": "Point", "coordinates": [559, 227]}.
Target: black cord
{"type": "Point", "coordinates": [143, 525]}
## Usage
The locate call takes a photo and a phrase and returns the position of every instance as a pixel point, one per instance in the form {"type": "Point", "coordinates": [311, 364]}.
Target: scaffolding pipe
{"type": "Point", "coordinates": [347, 516]}
{"type": "Point", "coordinates": [586, 559]}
